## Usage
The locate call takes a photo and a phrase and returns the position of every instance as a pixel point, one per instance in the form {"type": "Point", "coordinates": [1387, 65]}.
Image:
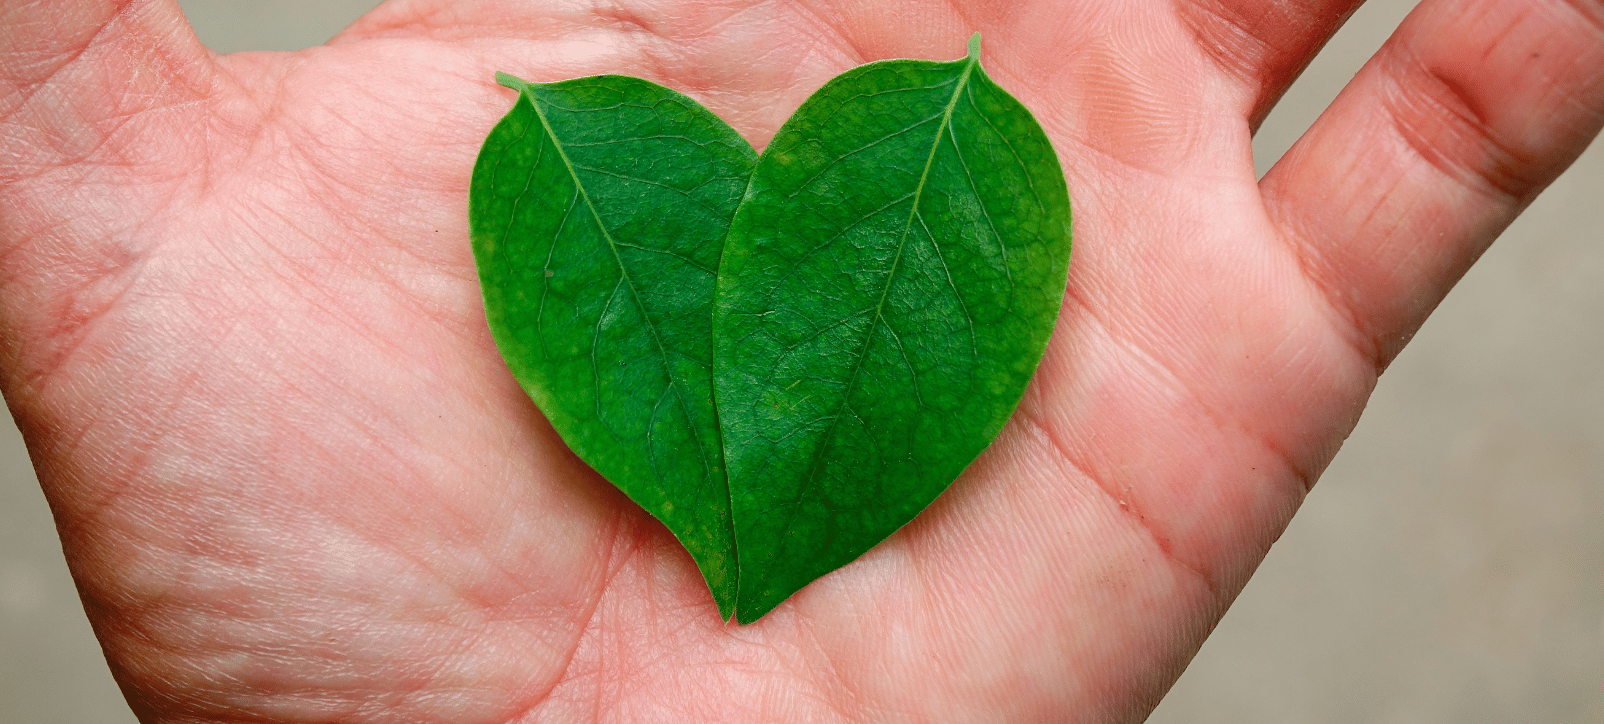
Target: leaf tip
{"type": "Point", "coordinates": [974, 47]}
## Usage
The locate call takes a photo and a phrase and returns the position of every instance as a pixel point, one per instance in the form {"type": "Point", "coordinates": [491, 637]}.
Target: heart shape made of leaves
{"type": "Point", "coordinates": [785, 357]}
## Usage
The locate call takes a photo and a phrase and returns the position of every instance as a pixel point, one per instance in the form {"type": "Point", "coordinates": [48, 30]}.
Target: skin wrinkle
{"type": "Point", "coordinates": [418, 471]}
{"type": "Point", "coordinates": [622, 646]}
{"type": "Point", "coordinates": [1090, 147]}
{"type": "Point", "coordinates": [122, 484]}
{"type": "Point", "coordinates": [1128, 510]}
{"type": "Point", "coordinates": [283, 131]}
{"type": "Point", "coordinates": [102, 136]}
{"type": "Point", "coordinates": [1370, 342]}
{"type": "Point", "coordinates": [823, 26]}
{"type": "Point", "coordinates": [934, 568]}
{"type": "Point", "coordinates": [102, 140]}
{"type": "Point", "coordinates": [250, 116]}
{"type": "Point", "coordinates": [404, 291]}
{"type": "Point", "coordinates": [800, 666]}
{"type": "Point", "coordinates": [79, 327]}
{"type": "Point", "coordinates": [167, 625]}
{"type": "Point", "coordinates": [422, 681]}
{"type": "Point", "coordinates": [329, 308]}
{"type": "Point", "coordinates": [1295, 26]}
{"type": "Point", "coordinates": [322, 165]}
{"type": "Point", "coordinates": [1421, 116]}
{"type": "Point", "coordinates": [666, 63]}
{"type": "Point", "coordinates": [446, 660]}
{"type": "Point", "coordinates": [1343, 318]}
{"type": "Point", "coordinates": [613, 562]}
{"type": "Point", "coordinates": [619, 14]}
{"type": "Point", "coordinates": [709, 31]}
{"type": "Point", "coordinates": [1223, 30]}
{"type": "Point", "coordinates": [851, 707]}
{"type": "Point", "coordinates": [308, 276]}
{"type": "Point", "coordinates": [29, 87]}
{"type": "Point", "coordinates": [1176, 383]}
{"type": "Point", "coordinates": [653, 49]}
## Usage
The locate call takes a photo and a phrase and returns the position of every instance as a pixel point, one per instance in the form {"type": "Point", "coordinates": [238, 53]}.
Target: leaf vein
{"type": "Point", "coordinates": [838, 159]}
{"type": "Point", "coordinates": [623, 271]}
{"type": "Point", "coordinates": [969, 177]}
{"type": "Point", "coordinates": [815, 467]}
{"type": "Point", "coordinates": [650, 182]}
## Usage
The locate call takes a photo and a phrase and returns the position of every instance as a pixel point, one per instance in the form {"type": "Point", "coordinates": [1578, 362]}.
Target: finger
{"type": "Point", "coordinates": [1264, 44]}
{"type": "Point", "coordinates": [1469, 111]}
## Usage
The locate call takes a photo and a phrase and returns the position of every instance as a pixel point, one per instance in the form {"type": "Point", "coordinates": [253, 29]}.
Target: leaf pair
{"type": "Point", "coordinates": [865, 302]}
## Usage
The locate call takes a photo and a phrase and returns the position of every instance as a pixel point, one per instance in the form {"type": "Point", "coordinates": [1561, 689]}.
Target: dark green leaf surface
{"type": "Point", "coordinates": [598, 210]}
{"type": "Point", "coordinates": [886, 292]}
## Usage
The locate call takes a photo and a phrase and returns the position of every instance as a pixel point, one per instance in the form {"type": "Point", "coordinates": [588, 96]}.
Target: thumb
{"type": "Point", "coordinates": [81, 79]}
{"type": "Point", "coordinates": [101, 103]}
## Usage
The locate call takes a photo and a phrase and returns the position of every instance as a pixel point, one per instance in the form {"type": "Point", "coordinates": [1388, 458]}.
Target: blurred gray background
{"type": "Point", "coordinates": [1449, 567]}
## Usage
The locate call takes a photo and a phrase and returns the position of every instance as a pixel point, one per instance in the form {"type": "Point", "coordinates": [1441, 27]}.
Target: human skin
{"type": "Point", "coordinates": [294, 482]}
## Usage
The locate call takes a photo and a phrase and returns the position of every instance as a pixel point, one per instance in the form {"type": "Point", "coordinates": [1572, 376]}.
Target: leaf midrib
{"type": "Point", "coordinates": [623, 271]}
{"type": "Point", "coordinates": [918, 194]}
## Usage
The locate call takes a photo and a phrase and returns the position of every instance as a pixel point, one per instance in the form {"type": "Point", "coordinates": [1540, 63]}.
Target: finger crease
{"type": "Point", "coordinates": [1438, 118]}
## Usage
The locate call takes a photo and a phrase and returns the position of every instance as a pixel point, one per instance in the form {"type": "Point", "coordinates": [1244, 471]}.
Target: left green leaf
{"type": "Point", "coordinates": [598, 210]}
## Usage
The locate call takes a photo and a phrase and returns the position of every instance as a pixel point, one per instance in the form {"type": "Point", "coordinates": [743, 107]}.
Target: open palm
{"type": "Point", "coordinates": [295, 482]}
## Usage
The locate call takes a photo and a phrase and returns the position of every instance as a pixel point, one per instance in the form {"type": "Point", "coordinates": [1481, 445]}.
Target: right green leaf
{"type": "Point", "coordinates": [885, 294]}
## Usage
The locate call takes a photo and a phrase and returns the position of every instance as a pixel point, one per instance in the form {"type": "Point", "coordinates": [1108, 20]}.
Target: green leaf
{"type": "Point", "coordinates": [886, 292]}
{"type": "Point", "coordinates": [598, 210]}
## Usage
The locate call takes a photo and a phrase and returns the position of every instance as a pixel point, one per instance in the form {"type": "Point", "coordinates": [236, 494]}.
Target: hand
{"type": "Point", "coordinates": [295, 481]}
